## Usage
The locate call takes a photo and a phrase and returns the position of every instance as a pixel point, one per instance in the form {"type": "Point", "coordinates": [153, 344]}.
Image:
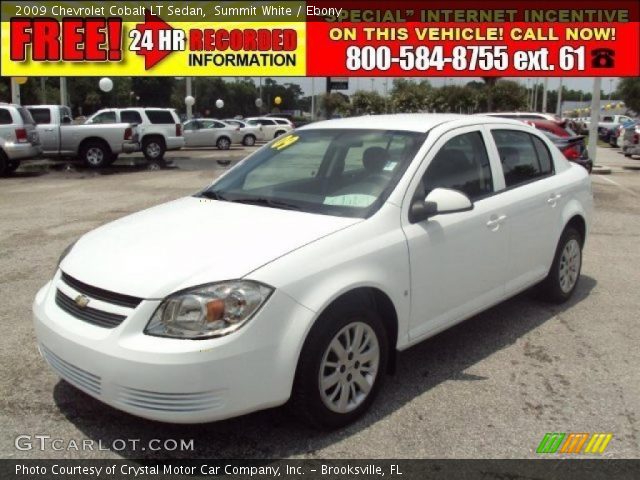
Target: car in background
{"type": "Point", "coordinates": [159, 129]}
{"type": "Point", "coordinates": [631, 139]}
{"type": "Point", "coordinates": [524, 115]}
{"type": "Point", "coordinates": [96, 145]}
{"type": "Point", "coordinates": [568, 142]}
{"type": "Point", "coordinates": [209, 132]}
{"type": "Point", "coordinates": [616, 134]}
{"type": "Point", "coordinates": [250, 133]}
{"type": "Point", "coordinates": [298, 275]}
{"type": "Point", "coordinates": [560, 128]}
{"type": "Point", "coordinates": [19, 139]}
{"type": "Point", "coordinates": [272, 127]}
{"type": "Point", "coordinates": [282, 116]}
{"type": "Point", "coordinates": [573, 148]}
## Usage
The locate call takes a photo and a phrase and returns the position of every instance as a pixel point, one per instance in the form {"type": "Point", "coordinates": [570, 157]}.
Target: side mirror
{"type": "Point", "coordinates": [439, 201]}
{"type": "Point", "coordinates": [66, 120]}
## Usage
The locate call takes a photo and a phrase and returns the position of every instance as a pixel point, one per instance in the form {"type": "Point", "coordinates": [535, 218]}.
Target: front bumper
{"type": "Point", "coordinates": [172, 380]}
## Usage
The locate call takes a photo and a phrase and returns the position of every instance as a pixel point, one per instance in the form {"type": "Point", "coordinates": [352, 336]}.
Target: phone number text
{"type": "Point", "coordinates": [475, 57]}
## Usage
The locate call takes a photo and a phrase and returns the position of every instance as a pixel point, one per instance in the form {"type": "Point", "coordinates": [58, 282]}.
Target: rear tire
{"type": "Point", "coordinates": [95, 154]}
{"type": "Point", "coordinates": [249, 140]}
{"type": "Point", "coordinates": [4, 165]}
{"type": "Point", "coordinates": [153, 149]}
{"type": "Point", "coordinates": [278, 133]}
{"type": "Point", "coordinates": [564, 274]}
{"type": "Point", "coordinates": [330, 389]}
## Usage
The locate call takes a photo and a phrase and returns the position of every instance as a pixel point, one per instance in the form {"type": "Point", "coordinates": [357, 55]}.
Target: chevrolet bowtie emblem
{"type": "Point", "coordinates": [82, 301]}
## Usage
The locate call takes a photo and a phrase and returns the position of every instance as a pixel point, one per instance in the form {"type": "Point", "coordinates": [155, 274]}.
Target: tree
{"type": "Point", "coordinates": [455, 99]}
{"type": "Point", "coordinates": [365, 102]}
{"type": "Point", "coordinates": [509, 96]}
{"type": "Point", "coordinates": [410, 97]}
{"type": "Point", "coordinates": [629, 93]}
{"type": "Point", "coordinates": [153, 91]}
{"type": "Point", "coordinates": [333, 102]}
{"type": "Point", "coordinates": [490, 83]}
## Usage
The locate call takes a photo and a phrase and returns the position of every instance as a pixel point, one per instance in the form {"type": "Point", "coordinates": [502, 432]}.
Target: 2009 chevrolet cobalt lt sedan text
{"type": "Point", "coordinates": [299, 273]}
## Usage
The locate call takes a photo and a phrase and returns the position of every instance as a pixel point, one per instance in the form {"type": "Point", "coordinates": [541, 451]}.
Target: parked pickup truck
{"type": "Point", "coordinates": [96, 145]}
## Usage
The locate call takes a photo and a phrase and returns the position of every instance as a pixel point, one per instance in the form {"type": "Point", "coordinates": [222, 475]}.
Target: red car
{"type": "Point", "coordinates": [570, 143]}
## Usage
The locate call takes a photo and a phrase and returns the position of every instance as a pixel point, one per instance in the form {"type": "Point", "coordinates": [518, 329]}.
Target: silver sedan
{"type": "Point", "coordinates": [208, 132]}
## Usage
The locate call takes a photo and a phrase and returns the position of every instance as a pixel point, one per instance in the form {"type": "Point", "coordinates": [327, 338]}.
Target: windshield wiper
{"type": "Point", "coordinates": [267, 202]}
{"type": "Point", "coordinates": [210, 194]}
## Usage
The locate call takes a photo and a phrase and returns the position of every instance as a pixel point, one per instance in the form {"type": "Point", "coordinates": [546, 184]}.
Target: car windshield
{"type": "Point", "coordinates": [328, 171]}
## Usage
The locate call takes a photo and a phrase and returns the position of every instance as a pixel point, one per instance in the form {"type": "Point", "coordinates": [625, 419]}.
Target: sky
{"type": "Point", "coordinates": [364, 83]}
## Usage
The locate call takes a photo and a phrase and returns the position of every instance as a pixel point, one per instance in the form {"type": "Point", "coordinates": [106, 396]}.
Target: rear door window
{"type": "Point", "coordinates": [130, 116]}
{"type": "Point", "coordinates": [41, 116]}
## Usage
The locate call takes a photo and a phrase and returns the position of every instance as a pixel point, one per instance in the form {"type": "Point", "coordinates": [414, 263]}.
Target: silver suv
{"type": "Point", "coordinates": [18, 137]}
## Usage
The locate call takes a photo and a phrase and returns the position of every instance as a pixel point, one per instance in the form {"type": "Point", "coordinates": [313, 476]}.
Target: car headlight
{"type": "Point", "coordinates": [65, 252]}
{"type": "Point", "coordinates": [208, 311]}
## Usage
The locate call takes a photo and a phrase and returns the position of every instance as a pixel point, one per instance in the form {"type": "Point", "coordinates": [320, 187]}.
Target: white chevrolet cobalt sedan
{"type": "Point", "coordinates": [300, 273]}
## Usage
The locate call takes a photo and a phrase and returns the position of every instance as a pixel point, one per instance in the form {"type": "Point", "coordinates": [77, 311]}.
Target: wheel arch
{"type": "Point", "coordinates": [371, 297]}
{"type": "Point", "coordinates": [88, 140]}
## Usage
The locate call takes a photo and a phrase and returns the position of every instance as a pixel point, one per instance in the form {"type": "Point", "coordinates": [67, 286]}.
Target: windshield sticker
{"type": "Point", "coordinates": [285, 142]}
{"type": "Point", "coordinates": [351, 200]}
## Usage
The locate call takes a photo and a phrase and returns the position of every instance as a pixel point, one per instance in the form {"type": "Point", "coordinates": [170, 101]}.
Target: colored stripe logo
{"type": "Point", "coordinates": [596, 443]}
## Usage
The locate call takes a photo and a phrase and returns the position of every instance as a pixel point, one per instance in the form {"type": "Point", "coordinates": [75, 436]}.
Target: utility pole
{"type": "Point", "coordinates": [313, 99]}
{"type": "Point", "coordinates": [15, 91]}
{"type": "Point", "coordinates": [64, 99]}
{"type": "Point", "coordinates": [559, 104]}
{"type": "Point", "coordinates": [595, 118]}
{"type": "Point", "coordinates": [545, 85]}
{"type": "Point", "coordinates": [189, 105]}
{"type": "Point", "coordinates": [43, 89]}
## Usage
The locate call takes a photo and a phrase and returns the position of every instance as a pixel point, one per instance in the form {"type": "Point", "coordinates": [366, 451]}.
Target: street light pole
{"type": "Point", "coordinates": [559, 104]}
{"type": "Point", "coordinates": [595, 118]}
{"type": "Point", "coordinates": [188, 94]}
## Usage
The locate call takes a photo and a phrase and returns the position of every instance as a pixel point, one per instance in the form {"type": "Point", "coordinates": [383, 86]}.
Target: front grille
{"type": "Point", "coordinates": [88, 314]}
{"type": "Point", "coordinates": [74, 375]}
{"type": "Point", "coordinates": [170, 402]}
{"type": "Point", "coordinates": [100, 294]}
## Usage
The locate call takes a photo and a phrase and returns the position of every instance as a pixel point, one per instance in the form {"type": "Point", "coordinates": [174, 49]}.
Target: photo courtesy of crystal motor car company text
{"type": "Point", "coordinates": [266, 204]}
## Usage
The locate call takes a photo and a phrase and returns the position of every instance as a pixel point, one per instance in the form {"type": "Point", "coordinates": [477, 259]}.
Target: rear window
{"type": "Point", "coordinates": [160, 116]}
{"type": "Point", "coordinates": [5, 117]}
{"type": "Point", "coordinates": [282, 122]}
{"type": "Point", "coordinates": [524, 157]}
{"type": "Point", "coordinates": [265, 121]}
{"type": "Point", "coordinates": [41, 115]}
{"type": "Point", "coordinates": [130, 116]}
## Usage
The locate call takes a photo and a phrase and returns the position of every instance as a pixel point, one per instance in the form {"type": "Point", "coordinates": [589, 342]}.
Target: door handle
{"type": "Point", "coordinates": [553, 199]}
{"type": "Point", "coordinates": [494, 223]}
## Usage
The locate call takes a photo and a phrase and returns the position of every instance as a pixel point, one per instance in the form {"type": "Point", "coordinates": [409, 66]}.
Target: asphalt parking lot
{"type": "Point", "coordinates": [490, 387]}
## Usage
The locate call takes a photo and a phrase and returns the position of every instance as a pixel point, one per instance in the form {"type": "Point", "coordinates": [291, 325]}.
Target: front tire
{"type": "Point", "coordinates": [249, 140]}
{"type": "Point", "coordinates": [341, 367]}
{"type": "Point", "coordinates": [564, 274]}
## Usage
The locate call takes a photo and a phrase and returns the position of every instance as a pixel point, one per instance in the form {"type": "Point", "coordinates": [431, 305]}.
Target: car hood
{"type": "Point", "coordinates": [191, 241]}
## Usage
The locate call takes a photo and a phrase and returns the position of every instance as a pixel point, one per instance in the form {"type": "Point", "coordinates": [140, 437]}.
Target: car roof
{"type": "Point", "coordinates": [413, 122]}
